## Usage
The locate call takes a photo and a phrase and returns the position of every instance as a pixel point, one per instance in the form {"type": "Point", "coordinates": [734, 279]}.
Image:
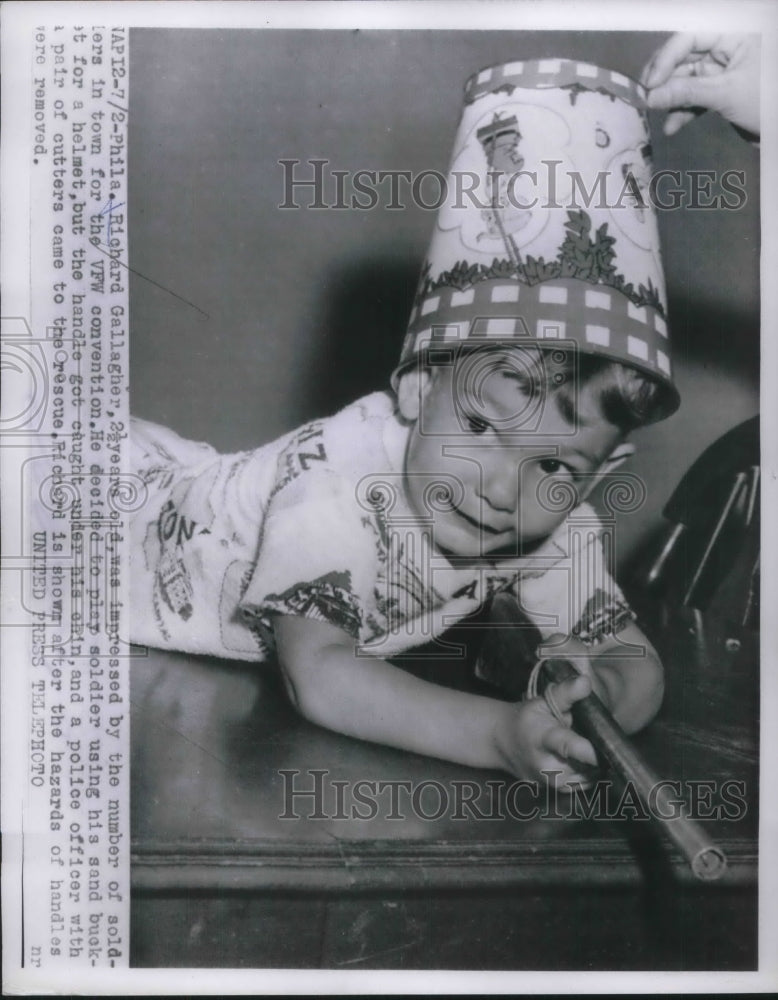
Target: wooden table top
{"type": "Point", "coordinates": [216, 750]}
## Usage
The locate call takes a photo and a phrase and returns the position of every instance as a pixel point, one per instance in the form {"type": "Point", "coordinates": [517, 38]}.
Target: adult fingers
{"type": "Point", "coordinates": [689, 92]}
{"type": "Point", "coordinates": [676, 120]}
{"type": "Point", "coordinates": [674, 51]}
{"type": "Point", "coordinates": [734, 95]}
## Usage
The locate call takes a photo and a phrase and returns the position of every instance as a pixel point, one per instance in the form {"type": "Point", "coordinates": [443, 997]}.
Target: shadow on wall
{"type": "Point", "coordinates": [365, 309]}
{"type": "Point", "coordinates": [716, 352]}
{"type": "Point", "coordinates": [716, 336]}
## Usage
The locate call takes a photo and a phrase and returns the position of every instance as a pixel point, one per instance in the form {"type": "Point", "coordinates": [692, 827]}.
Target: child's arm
{"type": "Point", "coordinates": [630, 687]}
{"type": "Point", "coordinates": [370, 699]}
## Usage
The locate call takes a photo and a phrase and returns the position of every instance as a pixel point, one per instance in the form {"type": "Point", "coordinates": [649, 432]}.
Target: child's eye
{"type": "Point", "coordinates": [477, 425]}
{"type": "Point", "coordinates": [552, 466]}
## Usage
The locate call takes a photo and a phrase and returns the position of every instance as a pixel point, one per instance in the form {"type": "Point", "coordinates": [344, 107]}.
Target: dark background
{"type": "Point", "coordinates": [300, 312]}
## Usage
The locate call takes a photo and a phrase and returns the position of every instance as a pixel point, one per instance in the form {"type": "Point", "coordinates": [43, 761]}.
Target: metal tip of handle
{"type": "Point", "coordinates": [709, 864]}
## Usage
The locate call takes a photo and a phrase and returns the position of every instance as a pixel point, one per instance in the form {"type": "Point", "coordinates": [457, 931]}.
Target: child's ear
{"type": "Point", "coordinates": [411, 390]}
{"type": "Point", "coordinates": [619, 455]}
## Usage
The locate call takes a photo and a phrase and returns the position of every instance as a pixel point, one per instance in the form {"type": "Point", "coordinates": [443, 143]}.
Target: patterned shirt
{"type": "Point", "coordinates": [316, 524]}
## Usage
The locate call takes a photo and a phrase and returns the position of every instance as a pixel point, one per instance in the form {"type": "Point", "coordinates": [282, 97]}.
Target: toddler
{"type": "Point", "coordinates": [366, 534]}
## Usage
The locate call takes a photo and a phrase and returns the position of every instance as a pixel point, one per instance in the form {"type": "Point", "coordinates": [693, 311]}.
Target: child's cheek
{"type": "Point", "coordinates": [535, 522]}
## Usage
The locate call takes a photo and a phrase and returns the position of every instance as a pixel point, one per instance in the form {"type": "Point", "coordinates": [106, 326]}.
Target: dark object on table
{"type": "Point", "coordinates": [713, 543]}
{"type": "Point", "coordinates": [593, 720]}
{"type": "Point", "coordinates": [504, 654]}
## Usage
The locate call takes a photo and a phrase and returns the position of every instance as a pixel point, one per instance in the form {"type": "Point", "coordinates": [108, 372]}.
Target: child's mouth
{"type": "Point", "coordinates": [479, 524]}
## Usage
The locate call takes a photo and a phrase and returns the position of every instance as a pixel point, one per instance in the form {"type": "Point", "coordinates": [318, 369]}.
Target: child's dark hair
{"type": "Point", "coordinates": [627, 398]}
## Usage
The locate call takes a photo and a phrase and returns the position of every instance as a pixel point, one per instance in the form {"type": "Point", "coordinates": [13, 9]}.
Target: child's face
{"type": "Point", "coordinates": [493, 467]}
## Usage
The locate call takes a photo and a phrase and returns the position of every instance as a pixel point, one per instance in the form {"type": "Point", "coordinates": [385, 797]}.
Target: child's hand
{"type": "Point", "coordinates": [533, 741]}
{"type": "Point", "coordinates": [691, 72]}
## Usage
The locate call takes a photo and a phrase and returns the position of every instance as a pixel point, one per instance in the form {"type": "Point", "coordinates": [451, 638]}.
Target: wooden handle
{"type": "Point", "coordinates": [592, 719]}
{"type": "Point", "coordinates": [507, 650]}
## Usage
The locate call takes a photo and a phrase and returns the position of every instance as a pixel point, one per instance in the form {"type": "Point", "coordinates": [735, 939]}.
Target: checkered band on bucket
{"type": "Point", "coordinates": [538, 73]}
{"type": "Point", "coordinates": [527, 261]}
{"type": "Point", "coordinates": [600, 319]}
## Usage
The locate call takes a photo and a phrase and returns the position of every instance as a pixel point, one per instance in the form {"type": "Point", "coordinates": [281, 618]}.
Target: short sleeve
{"type": "Point", "coordinates": [315, 557]}
{"type": "Point", "coordinates": [601, 608]}
{"type": "Point", "coordinates": [576, 594]}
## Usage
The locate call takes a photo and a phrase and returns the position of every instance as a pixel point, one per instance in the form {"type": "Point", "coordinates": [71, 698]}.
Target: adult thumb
{"type": "Point", "coordinates": [690, 92]}
{"type": "Point", "coordinates": [734, 95]}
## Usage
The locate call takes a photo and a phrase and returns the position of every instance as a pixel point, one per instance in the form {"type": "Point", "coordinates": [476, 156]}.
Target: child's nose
{"type": "Point", "coordinates": [499, 490]}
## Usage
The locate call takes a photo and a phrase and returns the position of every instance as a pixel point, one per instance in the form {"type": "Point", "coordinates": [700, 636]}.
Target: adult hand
{"type": "Point", "coordinates": [692, 73]}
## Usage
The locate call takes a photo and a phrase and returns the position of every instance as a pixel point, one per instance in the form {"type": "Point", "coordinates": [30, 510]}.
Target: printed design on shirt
{"type": "Point", "coordinates": [175, 527]}
{"type": "Point", "coordinates": [604, 615]}
{"type": "Point", "coordinates": [263, 637]}
{"type": "Point", "coordinates": [186, 514]}
{"type": "Point", "coordinates": [470, 591]}
{"type": "Point", "coordinates": [329, 598]}
{"type": "Point", "coordinates": [402, 592]}
{"type": "Point", "coordinates": [494, 584]}
{"type": "Point", "coordinates": [160, 476]}
{"type": "Point", "coordinates": [159, 454]}
{"type": "Point", "coordinates": [305, 451]}
{"type": "Point", "coordinates": [173, 579]}
{"type": "Point", "coordinates": [175, 585]}
{"type": "Point", "coordinates": [476, 590]}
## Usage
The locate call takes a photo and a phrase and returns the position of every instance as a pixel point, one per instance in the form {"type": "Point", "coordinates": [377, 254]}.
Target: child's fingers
{"type": "Point", "coordinates": [576, 783]}
{"type": "Point", "coordinates": [567, 693]}
{"type": "Point", "coordinates": [569, 745]}
{"type": "Point", "coordinates": [577, 780]}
